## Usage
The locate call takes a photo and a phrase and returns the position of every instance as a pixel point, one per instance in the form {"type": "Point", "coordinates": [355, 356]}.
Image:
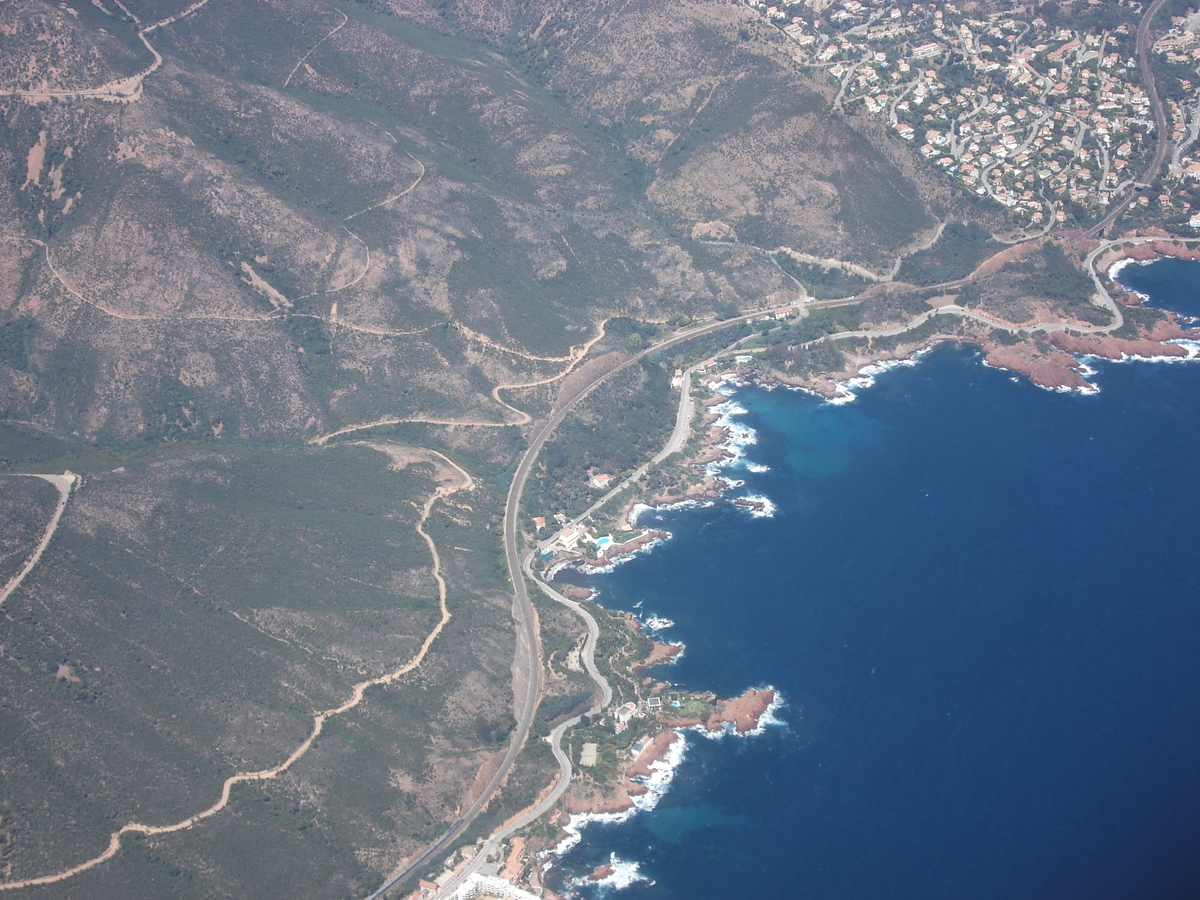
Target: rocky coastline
{"type": "Point", "coordinates": [652, 768]}
{"type": "Point", "coordinates": [1148, 250]}
{"type": "Point", "coordinates": [1055, 360]}
{"type": "Point", "coordinates": [619, 552]}
{"type": "Point", "coordinates": [662, 653]}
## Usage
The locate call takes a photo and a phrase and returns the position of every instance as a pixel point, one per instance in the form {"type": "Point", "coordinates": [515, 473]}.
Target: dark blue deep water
{"type": "Point", "coordinates": [980, 600]}
{"type": "Point", "coordinates": [1172, 283]}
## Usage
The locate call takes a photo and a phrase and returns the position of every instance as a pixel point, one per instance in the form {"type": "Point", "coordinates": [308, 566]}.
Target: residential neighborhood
{"type": "Point", "coordinates": [1047, 116]}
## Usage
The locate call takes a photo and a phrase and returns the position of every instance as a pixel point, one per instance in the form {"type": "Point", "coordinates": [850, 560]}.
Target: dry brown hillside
{"type": "Point", "coordinates": [237, 237]}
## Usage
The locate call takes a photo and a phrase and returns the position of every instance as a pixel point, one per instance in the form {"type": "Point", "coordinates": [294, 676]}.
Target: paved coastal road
{"type": "Point", "coordinates": [1142, 45]}
{"type": "Point", "coordinates": [555, 738]}
{"type": "Point", "coordinates": [683, 423]}
{"type": "Point", "coordinates": [527, 664]}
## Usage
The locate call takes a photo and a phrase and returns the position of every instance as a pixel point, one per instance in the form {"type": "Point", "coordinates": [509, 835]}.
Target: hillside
{"type": "Point", "coordinates": [239, 238]}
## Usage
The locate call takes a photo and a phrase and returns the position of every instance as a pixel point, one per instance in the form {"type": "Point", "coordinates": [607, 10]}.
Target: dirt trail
{"type": "Point", "coordinates": [407, 190]}
{"type": "Point", "coordinates": [134, 317]}
{"type": "Point", "coordinates": [333, 318]}
{"type": "Point", "coordinates": [460, 480]}
{"type": "Point", "coordinates": [523, 418]}
{"type": "Point", "coordinates": [572, 358]}
{"type": "Point", "coordinates": [476, 336]}
{"type": "Point", "coordinates": [828, 262]}
{"type": "Point", "coordinates": [349, 284]}
{"type": "Point", "coordinates": [120, 89]}
{"type": "Point", "coordinates": [577, 356]}
{"type": "Point", "coordinates": [295, 68]}
{"type": "Point", "coordinates": [64, 483]}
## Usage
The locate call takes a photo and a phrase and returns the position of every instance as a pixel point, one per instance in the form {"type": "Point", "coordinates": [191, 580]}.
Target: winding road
{"type": "Point", "coordinates": [521, 572]}
{"type": "Point", "coordinates": [1142, 45]}
{"type": "Point", "coordinates": [527, 668]}
{"type": "Point", "coordinates": [121, 89]}
{"type": "Point", "coordinates": [548, 802]}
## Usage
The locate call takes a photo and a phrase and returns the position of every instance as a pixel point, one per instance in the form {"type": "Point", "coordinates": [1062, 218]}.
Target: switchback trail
{"type": "Point", "coordinates": [461, 481]}
{"type": "Point", "coordinates": [523, 418]}
{"type": "Point", "coordinates": [120, 89]}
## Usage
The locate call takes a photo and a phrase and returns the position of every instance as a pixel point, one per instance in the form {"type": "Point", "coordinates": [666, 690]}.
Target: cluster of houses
{"type": "Point", "coordinates": [628, 711]}
{"type": "Point", "coordinates": [571, 538]}
{"type": "Point", "coordinates": [1039, 117]}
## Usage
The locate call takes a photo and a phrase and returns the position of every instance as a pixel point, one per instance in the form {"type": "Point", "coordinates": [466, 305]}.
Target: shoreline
{"type": "Point", "coordinates": [1055, 361]}
{"type": "Point", "coordinates": [646, 777]}
{"type": "Point", "coordinates": [1059, 361]}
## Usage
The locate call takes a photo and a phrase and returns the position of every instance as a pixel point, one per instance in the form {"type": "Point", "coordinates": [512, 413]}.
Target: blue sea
{"type": "Point", "coordinates": [980, 601]}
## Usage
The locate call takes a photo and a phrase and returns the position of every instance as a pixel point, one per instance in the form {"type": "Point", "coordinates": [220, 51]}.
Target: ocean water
{"type": "Point", "coordinates": [980, 600]}
{"type": "Point", "coordinates": [1172, 283]}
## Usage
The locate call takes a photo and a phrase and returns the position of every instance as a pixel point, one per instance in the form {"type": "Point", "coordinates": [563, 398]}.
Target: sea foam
{"type": "Point", "coordinates": [624, 874]}
{"type": "Point", "coordinates": [758, 505]}
{"type": "Point", "coordinates": [1191, 346]}
{"type": "Point", "coordinates": [1115, 270]}
{"type": "Point", "coordinates": [662, 773]}
{"type": "Point", "coordinates": [582, 565]}
{"type": "Point", "coordinates": [766, 720]}
{"type": "Point", "coordinates": [1088, 389]}
{"type": "Point", "coordinates": [739, 436]}
{"type": "Point", "coordinates": [641, 509]}
{"type": "Point", "coordinates": [846, 390]}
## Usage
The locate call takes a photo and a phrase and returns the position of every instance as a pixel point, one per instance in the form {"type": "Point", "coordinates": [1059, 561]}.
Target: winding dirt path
{"type": "Point", "coordinates": [523, 418]}
{"type": "Point", "coordinates": [407, 190]}
{"type": "Point", "coordinates": [480, 338]}
{"type": "Point", "coordinates": [64, 483]}
{"type": "Point", "coordinates": [135, 317]}
{"type": "Point", "coordinates": [120, 89]}
{"type": "Point", "coordinates": [336, 29]}
{"type": "Point", "coordinates": [334, 319]}
{"type": "Point", "coordinates": [349, 284]}
{"type": "Point", "coordinates": [462, 481]}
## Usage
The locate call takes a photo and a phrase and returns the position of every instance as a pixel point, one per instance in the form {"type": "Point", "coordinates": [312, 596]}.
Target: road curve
{"type": "Point", "coordinates": [683, 422]}
{"type": "Point", "coordinates": [522, 606]}
{"type": "Point", "coordinates": [358, 692]}
{"type": "Point", "coordinates": [588, 656]}
{"type": "Point", "coordinates": [547, 803]}
{"type": "Point", "coordinates": [524, 613]}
